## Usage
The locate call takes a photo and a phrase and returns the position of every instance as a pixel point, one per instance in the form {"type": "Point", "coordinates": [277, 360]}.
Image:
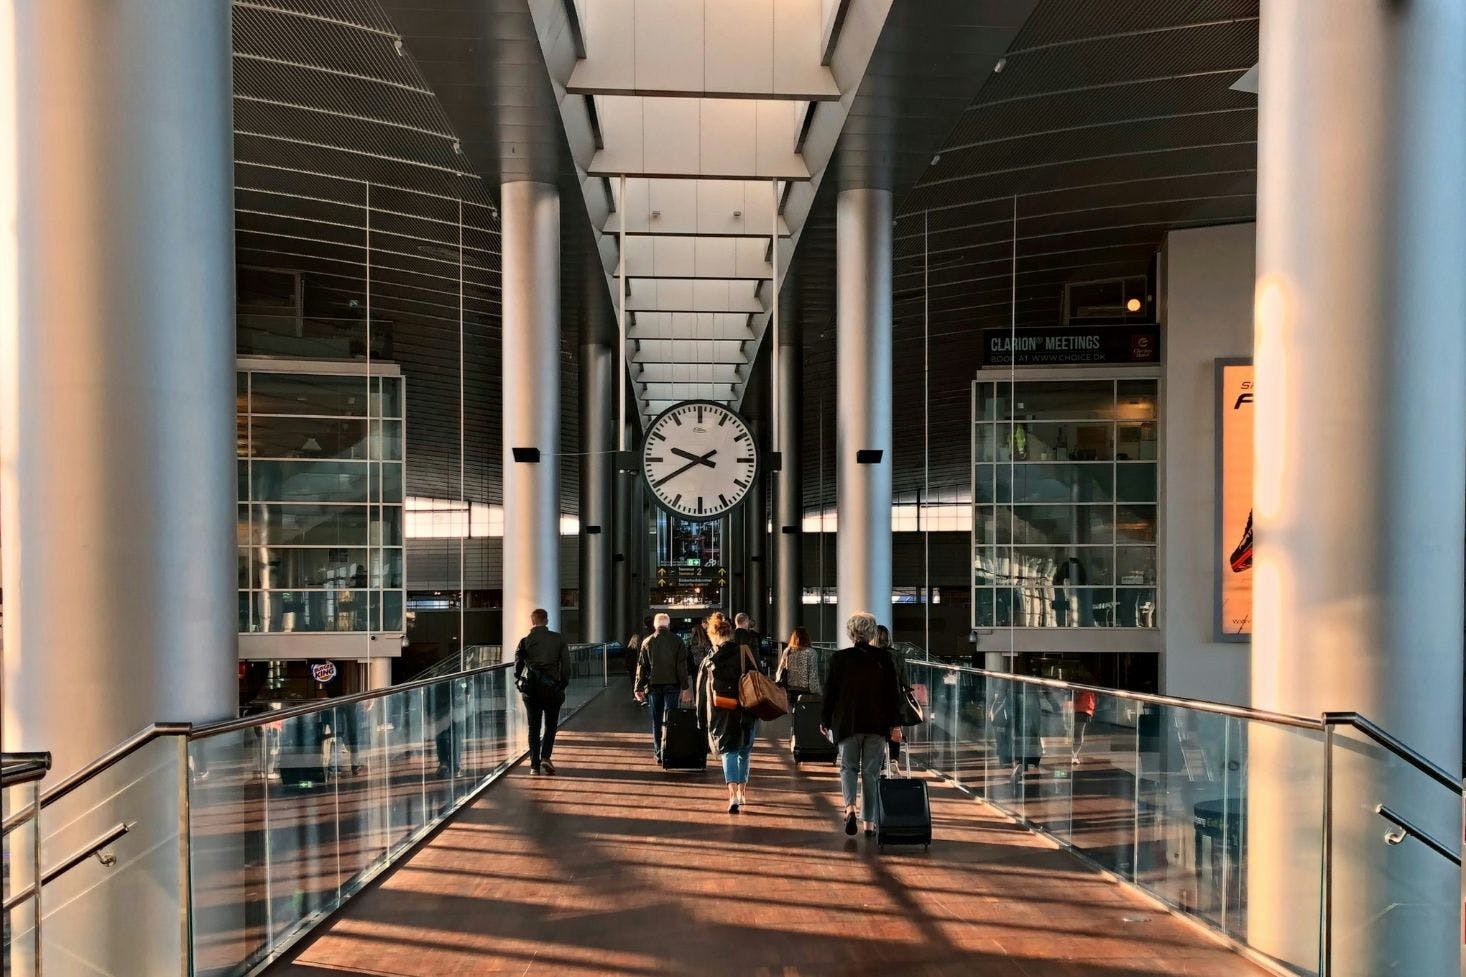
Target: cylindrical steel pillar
{"type": "Point", "coordinates": [1361, 467]}
{"type": "Point", "coordinates": [624, 556]}
{"type": "Point", "coordinates": [116, 371]}
{"type": "Point", "coordinates": [530, 214]}
{"type": "Point", "coordinates": [597, 464]}
{"type": "Point", "coordinates": [863, 404]}
{"type": "Point", "coordinates": [379, 673]}
{"type": "Point", "coordinates": [755, 534]}
{"type": "Point", "coordinates": [788, 515]}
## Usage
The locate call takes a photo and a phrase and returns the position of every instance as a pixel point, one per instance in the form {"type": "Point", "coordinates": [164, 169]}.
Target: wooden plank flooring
{"type": "Point", "coordinates": [615, 867]}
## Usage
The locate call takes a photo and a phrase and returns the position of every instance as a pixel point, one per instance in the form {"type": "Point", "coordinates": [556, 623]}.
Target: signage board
{"type": "Point", "coordinates": [323, 672]}
{"type": "Point", "coordinates": [1235, 388]}
{"type": "Point", "coordinates": [1071, 345]}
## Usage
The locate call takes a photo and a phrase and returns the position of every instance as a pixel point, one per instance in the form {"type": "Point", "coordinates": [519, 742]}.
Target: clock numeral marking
{"type": "Point", "coordinates": [677, 420]}
{"type": "Point", "coordinates": [722, 420]}
{"type": "Point", "coordinates": [677, 500]}
{"type": "Point", "coordinates": [740, 483]}
{"type": "Point", "coordinates": [723, 499]}
{"type": "Point", "coordinates": [741, 437]}
{"type": "Point", "coordinates": [743, 461]}
{"type": "Point", "coordinates": [699, 415]}
{"type": "Point", "coordinates": [655, 461]}
{"type": "Point", "coordinates": [699, 505]}
{"type": "Point", "coordinates": [659, 435]}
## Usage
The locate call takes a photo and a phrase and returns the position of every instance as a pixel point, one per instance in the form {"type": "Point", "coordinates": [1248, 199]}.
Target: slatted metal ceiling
{"type": "Point", "coordinates": [1111, 124]}
{"type": "Point", "coordinates": [328, 100]}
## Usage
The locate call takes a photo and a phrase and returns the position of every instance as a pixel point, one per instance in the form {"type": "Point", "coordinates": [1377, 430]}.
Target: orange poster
{"type": "Point", "coordinates": [1234, 500]}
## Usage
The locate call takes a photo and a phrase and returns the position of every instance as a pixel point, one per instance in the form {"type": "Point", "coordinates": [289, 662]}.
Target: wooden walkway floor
{"type": "Point", "coordinates": [615, 867]}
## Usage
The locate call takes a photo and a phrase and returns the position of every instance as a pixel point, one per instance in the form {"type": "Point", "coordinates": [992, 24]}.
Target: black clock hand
{"type": "Point", "coordinates": [703, 460]}
{"type": "Point", "coordinates": [691, 464]}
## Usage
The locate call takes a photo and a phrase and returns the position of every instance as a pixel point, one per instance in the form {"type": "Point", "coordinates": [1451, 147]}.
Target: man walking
{"type": "Point", "coordinates": [541, 673]}
{"type": "Point", "coordinates": [745, 633]}
{"type": "Point", "coordinates": [661, 675]}
{"type": "Point", "coordinates": [861, 712]}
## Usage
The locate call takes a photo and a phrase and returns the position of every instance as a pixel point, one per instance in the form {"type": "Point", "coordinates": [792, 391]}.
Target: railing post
{"type": "Point", "coordinates": [1326, 859]}
{"type": "Point", "coordinates": [36, 877]}
{"type": "Point", "coordinates": [605, 665]}
{"type": "Point", "coordinates": [185, 859]}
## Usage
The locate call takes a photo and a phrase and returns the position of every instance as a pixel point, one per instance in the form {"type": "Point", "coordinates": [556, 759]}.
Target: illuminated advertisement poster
{"type": "Point", "coordinates": [1234, 499]}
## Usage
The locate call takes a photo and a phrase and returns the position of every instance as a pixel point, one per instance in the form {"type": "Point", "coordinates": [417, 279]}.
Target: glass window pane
{"type": "Point", "coordinates": [309, 481]}
{"type": "Point", "coordinates": [984, 442]}
{"type": "Point", "coordinates": [1135, 482]}
{"type": "Point", "coordinates": [1068, 400]}
{"type": "Point", "coordinates": [1055, 483]}
{"type": "Point", "coordinates": [387, 571]}
{"type": "Point", "coordinates": [1136, 400]}
{"type": "Point", "coordinates": [1135, 566]}
{"type": "Point", "coordinates": [287, 611]}
{"type": "Point", "coordinates": [989, 405]}
{"type": "Point", "coordinates": [309, 525]}
{"type": "Point", "coordinates": [278, 568]}
{"type": "Point", "coordinates": [1055, 524]}
{"type": "Point", "coordinates": [284, 393]}
{"type": "Point", "coordinates": [1045, 566]}
{"type": "Point", "coordinates": [982, 483]}
{"type": "Point", "coordinates": [308, 437]}
{"type": "Point", "coordinates": [390, 403]}
{"type": "Point", "coordinates": [1135, 607]}
{"type": "Point", "coordinates": [1026, 441]}
{"type": "Point", "coordinates": [982, 606]}
{"type": "Point", "coordinates": [243, 567]}
{"type": "Point", "coordinates": [1135, 524]}
{"type": "Point", "coordinates": [386, 525]}
{"type": "Point", "coordinates": [387, 440]}
{"type": "Point", "coordinates": [392, 610]}
{"type": "Point", "coordinates": [243, 468]}
{"type": "Point", "coordinates": [1137, 442]}
{"type": "Point", "coordinates": [387, 485]}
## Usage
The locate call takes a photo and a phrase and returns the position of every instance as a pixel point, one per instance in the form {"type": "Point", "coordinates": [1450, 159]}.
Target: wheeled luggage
{"type": "Point", "coordinates": [684, 745]}
{"type": "Point", "coordinates": [906, 815]}
{"type": "Point", "coordinates": [810, 745]}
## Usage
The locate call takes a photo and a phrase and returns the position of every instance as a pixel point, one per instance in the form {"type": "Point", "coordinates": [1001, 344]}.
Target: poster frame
{"type": "Point", "coordinates": [1218, 529]}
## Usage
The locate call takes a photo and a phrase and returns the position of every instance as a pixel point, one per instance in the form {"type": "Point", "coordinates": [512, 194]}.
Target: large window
{"type": "Point", "coordinates": [320, 503]}
{"type": "Point", "coordinates": [1064, 488]}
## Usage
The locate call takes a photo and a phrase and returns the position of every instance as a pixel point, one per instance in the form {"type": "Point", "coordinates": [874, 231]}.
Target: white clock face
{"type": "Point", "coordinates": [699, 459]}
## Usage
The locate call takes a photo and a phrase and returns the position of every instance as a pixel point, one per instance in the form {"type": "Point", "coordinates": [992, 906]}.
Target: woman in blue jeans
{"type": "Point", "coordinates": [729, 726]}
{"type": "Point", "coordinates": [860, 712]}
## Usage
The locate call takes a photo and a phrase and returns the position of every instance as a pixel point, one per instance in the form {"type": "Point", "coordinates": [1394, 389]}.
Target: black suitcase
{"type": "Point", "coordinates": [810, 745]}
{"type": "Point", "coordinates": [684, 745]}
{"type": "Point", "coordinates": [906, 815]}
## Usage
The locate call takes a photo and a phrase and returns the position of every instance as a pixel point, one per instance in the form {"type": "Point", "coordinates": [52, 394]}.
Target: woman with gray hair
{"type": "Point", "coordinates": [861, 711]}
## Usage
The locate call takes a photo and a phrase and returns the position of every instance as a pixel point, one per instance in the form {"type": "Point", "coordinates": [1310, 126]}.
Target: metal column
{"type": "Point", "coordinates": [624, 556]}
{"type": "Point", "coordinates": [530, 215]}
{"type": "Point", "coordinates": [788, 512]}
{"type": "Point", "coordinates": [863, 404]}
{"type": "Point", "coordinates": [755, 593]}
{"type": "Point", "coordinates": [117, 371]}
{"type": "Point", "coordinates": [597, 464]}
{"type": "Point", "coordinates": [1361, 461]}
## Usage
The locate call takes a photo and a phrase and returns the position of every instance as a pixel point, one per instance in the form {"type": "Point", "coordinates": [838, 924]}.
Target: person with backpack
{"type": "Point", "coordinates": [797, 671]}
{"type": "Point", "coordinates": [542, 673]}
{"type": "Point", "coordinates": [661, 676]}
{"type": "Point", "coordinates": [861, 712]}
{"type": "Point", "coordinates": [730, 727]}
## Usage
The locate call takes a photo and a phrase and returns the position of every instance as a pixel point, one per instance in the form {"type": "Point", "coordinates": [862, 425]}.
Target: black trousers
{"type": "Point", "coordinates": [542, 712]}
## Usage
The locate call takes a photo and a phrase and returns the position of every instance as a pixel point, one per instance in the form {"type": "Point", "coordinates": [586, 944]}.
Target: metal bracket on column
{"type": "Point", "coordinates": [869, 456]}
{"type": "Point", "coordinates": [526, 456]}
{"type": "Point", "coordinates": [789, 530]}
{"type": "Point", "coordinates": [775, 461]}
{"type": "Point", "coordinates": [592, 530]}
{"type": "Point", "coordinates": [627, 463]}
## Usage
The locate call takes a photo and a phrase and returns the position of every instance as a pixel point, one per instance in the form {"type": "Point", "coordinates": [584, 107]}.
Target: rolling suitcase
{"type": "Point", "coordinates": [906, 815]}
{"type": "Point", "coordinates": [810, 745]}
{"type": "Point", "coordinates": [684, 745]}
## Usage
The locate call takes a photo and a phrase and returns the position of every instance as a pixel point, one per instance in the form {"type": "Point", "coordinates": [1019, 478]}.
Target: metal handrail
{"type": "Point", "coordinates": [1199, 705]}
{"type": "Point", "coordinates": [202, 730]}
{"type": "Point", "coordinates": [93, 847]}
{"type": "Point", "coordinates": [1400, 749]}
{"type": "Point", "coordinates": [98, 766]}
{"type": "Point", "coordinates": [1409, 829]}
{"type": "Point", "coordinates": [23, 768]}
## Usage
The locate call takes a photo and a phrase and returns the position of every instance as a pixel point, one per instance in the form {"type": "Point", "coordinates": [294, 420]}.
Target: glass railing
{"type": "Point", "coordinates": [222, 845]}
{"type": "Point", "coordinates": [1168, 795]}
{"type": "Point", "coordinates": [463, 660]}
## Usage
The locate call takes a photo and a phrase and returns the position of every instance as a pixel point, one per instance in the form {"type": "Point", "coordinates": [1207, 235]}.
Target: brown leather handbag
{"type": "Point", "coordinates": [757, 692]}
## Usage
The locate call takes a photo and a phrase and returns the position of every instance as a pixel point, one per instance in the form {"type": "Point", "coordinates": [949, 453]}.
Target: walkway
{"type": "Point", "coordinates": [615, 867]}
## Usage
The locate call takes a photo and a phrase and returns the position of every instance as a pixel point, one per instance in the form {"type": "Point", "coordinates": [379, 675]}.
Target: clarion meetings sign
{"type": "Point", "coordinates": [1071, 345]}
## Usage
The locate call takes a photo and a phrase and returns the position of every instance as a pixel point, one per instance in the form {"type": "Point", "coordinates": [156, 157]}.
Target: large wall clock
{"type": "Point", "coordinates": [699, 459]}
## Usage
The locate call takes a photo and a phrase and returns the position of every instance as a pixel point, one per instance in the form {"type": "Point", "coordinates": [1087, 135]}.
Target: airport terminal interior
{"type": "Point", "coordinates": [385, 381]}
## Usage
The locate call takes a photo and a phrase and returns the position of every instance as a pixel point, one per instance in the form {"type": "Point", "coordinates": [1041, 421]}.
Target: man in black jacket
{"type": "Point", "coordinates": [745, 633]}
{"type": "Point", "coordinates": [661, 675]}
{"type": "Point", "coordinates": [860, 712]}
{"type": "Point", "coordinates": [541, 673]}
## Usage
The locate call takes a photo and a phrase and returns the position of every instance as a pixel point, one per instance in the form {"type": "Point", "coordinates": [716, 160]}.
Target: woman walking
{"type": "Point", "coordinates": [861, 712]}
{"type": "Point", "coordinates": [729, 726]}
{"type": "Point", "coordinates": [796, 671]}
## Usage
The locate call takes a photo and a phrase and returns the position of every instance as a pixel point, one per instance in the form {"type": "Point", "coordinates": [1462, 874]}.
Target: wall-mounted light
{"type": "Point", "coordinates": [1132, 305]}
